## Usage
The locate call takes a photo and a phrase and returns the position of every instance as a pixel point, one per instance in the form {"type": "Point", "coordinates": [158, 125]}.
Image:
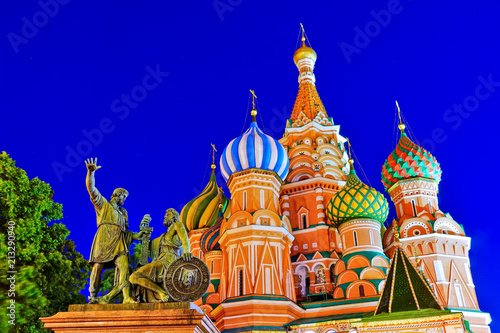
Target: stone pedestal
{"type": "Point", "coordinates": [149, 317]}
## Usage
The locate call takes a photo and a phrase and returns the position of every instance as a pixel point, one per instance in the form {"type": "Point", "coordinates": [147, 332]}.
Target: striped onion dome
{"type": "Point", "coordinates": [409, 160]}
{"type": "Point", "coordinates": [254, 150]}
{"type": "Point", "coordinates": [209, 240]}
{"type": "Point", "coordinates": [357, 200]}
{"type": "Point", "coordinates": [201, 212]}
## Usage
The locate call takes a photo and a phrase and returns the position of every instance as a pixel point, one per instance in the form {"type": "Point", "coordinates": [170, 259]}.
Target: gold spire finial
{"type": "Point", "coordinates": [254, 111]}
{"type": "Point", "coordinates": [303, 34]}
{"type": "Point", "coordinates": [351, 161]}
{"type": "Point", "coordinates": [395, 231]}
{"type": "Point", "coordinates": [213, 156]}
{"type": "Point", "coordinates": [401, 126]}
{"type": "Point", "coordinates": [415, 254]}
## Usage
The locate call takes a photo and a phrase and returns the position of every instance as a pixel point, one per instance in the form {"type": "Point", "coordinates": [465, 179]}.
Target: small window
{"type": "Point", "coordinates": [304, 221]}
{"type": "Point", "coordinates": [413, 207]}
{"type": "Point", "coordinates": [211, 266]}
{"type": "Point", "coordinates": [430, 206]}
{"type": "Point", "coordinates": [244, 200]}
{"type": "Point", "coordinates": [262, 201]}
{"type": "Point", "coordinates": [371, 238]}
{"type": "Point", "coordinates": [240, 282]}
{"type": "Point", "coordinates": [355, 235]}
{"type": "Point", "coordinates": [361, 291]}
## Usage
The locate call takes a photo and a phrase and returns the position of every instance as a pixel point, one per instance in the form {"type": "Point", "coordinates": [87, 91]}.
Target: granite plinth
{"type": "Point", "coordinates": [124, 318]}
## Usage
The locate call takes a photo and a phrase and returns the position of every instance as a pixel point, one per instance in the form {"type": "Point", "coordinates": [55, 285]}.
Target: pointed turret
{"type": "Point", "coordinates": [308, 106]}
{"type": "Point", "coordinates": [405, 288]}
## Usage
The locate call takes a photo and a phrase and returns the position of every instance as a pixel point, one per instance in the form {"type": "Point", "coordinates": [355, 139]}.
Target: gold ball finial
{"type": "Point", "coordinates": [253, 112]}
{"type": "Point", "coordinates": [402, 127]}
{"type": "Point", "coordinates": [220, 206]}
{"type": "Point", "coordinates": [351, 161]}
{"type": "Point", "coordinates": [212, 166]}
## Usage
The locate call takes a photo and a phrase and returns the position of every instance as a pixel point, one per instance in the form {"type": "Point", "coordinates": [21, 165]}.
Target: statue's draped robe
{"type": "Point", "coordinates": [112, 238]}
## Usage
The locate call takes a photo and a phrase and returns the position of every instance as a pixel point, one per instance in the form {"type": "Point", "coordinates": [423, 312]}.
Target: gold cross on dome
{"type": "Point", "coordinates": [349, 146]}
{"type": "Point", "coordinates": [213, 153]}
{"type": "Point", "coordinates": [253, 98]}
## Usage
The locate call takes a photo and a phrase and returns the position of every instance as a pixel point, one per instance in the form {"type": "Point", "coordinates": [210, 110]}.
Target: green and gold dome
{"type": "Point", "coordinates": [357, 200]}
{"type": "Point", "coordinates": [201, 212]}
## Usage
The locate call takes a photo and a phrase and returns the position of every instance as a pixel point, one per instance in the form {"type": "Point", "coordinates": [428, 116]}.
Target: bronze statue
{"type": "Point", "coordinates": [112, 240]}
{"type": "Point", "coordinates": [163, 250]}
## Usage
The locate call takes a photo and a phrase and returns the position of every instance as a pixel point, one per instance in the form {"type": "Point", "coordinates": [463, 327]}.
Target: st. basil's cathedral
{"type": "Point", "coordinates": [301, 244]}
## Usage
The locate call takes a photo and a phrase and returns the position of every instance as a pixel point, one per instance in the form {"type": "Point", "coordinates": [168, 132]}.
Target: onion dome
{"type": "Point", "coordinates": [304, 52]}
{"type": "Point", "coordinates": [209, 240]}
{"type": "Point", "coordinates": [254, 150]}
{"type": "Point", "coordinates": [357, 200]}
{"type": "Point", "coordinates": [409, 160]}
{"type": "Point", "coordinates": [201, 212]}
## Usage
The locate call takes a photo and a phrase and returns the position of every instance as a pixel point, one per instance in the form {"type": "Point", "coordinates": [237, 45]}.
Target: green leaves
{"type": "Point", "coordinates": [50, 272]}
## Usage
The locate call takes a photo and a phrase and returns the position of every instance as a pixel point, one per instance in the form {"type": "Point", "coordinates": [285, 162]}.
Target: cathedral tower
{"type": "Point", "coordinates": [318, 170]}
{"type": "Point", "coordinates": [255, 241]}
{"type": "Point", "coordinates": [411, 176]}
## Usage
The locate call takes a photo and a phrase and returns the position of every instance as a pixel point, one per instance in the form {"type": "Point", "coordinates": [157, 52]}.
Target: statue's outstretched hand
{"type": "Point", "coordinates": [91, 164]}
{"type": "Point", "coordinates": [187, 256]}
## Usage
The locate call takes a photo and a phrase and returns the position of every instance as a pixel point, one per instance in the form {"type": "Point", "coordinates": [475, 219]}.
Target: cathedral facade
{"type": "Point", "coordinates": [301, 243]}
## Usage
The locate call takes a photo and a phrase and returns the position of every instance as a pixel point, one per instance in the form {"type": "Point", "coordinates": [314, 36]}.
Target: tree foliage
{"type": "Point", "coordinates": [50, 272]}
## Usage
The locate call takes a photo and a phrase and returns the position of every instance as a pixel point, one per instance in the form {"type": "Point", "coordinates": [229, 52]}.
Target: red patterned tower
{"type": "Point", "coordinates": [411, 176]}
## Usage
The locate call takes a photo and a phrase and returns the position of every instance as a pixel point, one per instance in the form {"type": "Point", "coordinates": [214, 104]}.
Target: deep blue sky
{"type": "Point", "coordinates": [68, 76]}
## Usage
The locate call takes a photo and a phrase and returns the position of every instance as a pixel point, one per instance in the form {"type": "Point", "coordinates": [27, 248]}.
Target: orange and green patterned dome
{"type": "Point", "coordinates": [357, 200]}
{"type": "Point", "coordinates": [409, 160]}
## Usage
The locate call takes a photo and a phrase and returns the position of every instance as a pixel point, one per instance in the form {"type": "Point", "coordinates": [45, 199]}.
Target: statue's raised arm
{"type": "Point", "coordinates": [91, 165]}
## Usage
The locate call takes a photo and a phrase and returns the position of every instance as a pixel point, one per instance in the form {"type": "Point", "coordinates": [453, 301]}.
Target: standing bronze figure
{"type": "Point", "coordinates": [112, 240]}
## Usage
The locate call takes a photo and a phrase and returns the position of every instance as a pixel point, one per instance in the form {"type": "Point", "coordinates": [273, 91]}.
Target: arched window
{"type": "Point", "coordinates": [361, 291]}
{"type": "Point", "coordinates": [413, 207]}
{"type": "Point", "coordinates": [240, 282]}
{"type": "Point", "coordinates": [262, 199]}
{"type": "Point", "coordinates": [304, 221]}
{"type": "Point", "coordinates": [355, 235]}
{"type": "Point", "coordinates": [244, 200]}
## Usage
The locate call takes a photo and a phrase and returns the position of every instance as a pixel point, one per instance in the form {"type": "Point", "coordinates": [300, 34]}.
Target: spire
{"type": "Point", "coordinates": [405, 289]}
{"type": "Point", "coordinates": [213, 166]}
{"type": "Point", "coordinates": [401, 126]}
{"type": "Point", "coordinates": [254, 111]}
{"type": "Point", "coordinates": [351, 161]}
{"type": "Point", "coordinates": [308, 106]}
